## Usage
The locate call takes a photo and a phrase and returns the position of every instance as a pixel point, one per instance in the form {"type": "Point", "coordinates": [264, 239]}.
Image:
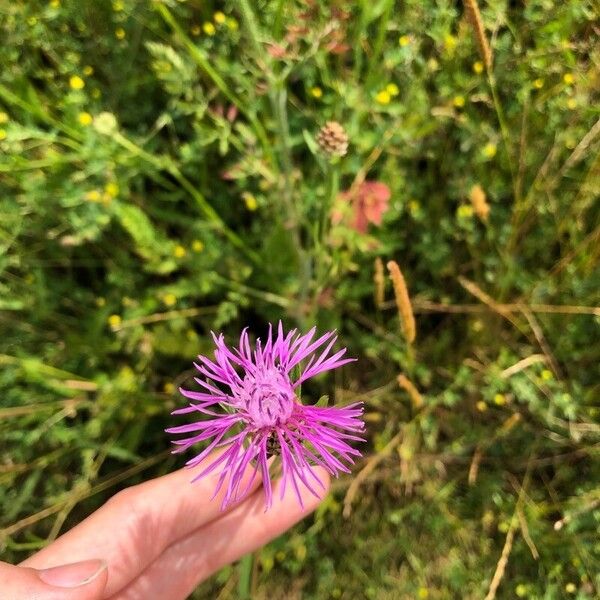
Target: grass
{"type": "Point", "coordinates": [160, 179]}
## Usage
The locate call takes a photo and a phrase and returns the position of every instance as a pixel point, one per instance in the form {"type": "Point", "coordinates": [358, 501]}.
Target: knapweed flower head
{"type": "Point", "coordinates": [250, 405]}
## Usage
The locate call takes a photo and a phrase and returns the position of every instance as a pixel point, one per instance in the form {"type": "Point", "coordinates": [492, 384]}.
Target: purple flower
{"type": "Point", "coordinates": [262, 415]}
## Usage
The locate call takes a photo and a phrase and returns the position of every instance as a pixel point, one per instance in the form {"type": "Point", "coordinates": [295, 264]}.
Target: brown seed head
{"type": "Point", "coordinates": [473, 15]}
{"type": "Point", "coordinates": [405, 311]}
{"type": "Point", "coordinates": [332, 139]}
{"type": "Point", "coordinates": [479, 202]}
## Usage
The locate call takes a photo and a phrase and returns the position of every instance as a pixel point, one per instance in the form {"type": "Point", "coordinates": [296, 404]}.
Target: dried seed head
{"type": "Point", "coordinates": [405, 310]}
{"type": "Point", "coordinates": [479, 202]}
{"type": "Point", "coordinates": [473, 15]}
{"type": "Point", "coordinates": [332, 139]}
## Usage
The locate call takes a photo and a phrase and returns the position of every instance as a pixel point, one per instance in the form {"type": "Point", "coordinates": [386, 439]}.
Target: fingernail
{"type": "Point", "coordinates": [74, 574]}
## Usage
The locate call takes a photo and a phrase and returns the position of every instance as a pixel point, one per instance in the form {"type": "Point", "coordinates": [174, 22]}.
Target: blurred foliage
{"type": "Point", "coordinates": [159, 178]}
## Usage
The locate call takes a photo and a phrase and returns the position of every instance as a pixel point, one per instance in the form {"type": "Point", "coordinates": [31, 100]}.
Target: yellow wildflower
{"type": "Point", "coordinates": [219, 17]}
{"type": "Point", "coordinates": [547, 375]}
{"type": "Point", "coordinates": [538, 84]}
{"type": "Point", "coordinates": [114, 321]}
{"type": "Point", "coordinates": [521, 590]}
{"type": "Point", "coordinates": [404, 40]}
{"type": "Point", "coordinates": [489, 150]}
{"type": "Point", "coordinates": [76, 82]}
{"type": "Point", "coordinates": [209, 28]}
{"type": "Point", "coordinates": [500, 399]}
{"type": "Point", "coordinates": [414, 208]}
{"type": "Point", "coordinates": [250, 200]}
{"type": "Point", "coordinates": [571, 104]}
{"type": "Point", "coordinates": [459, 101]}
{"type": "Point", "coordinates": [316, 92]}
{"type": "Point", "coordinates": [32, 21]}
{"type": "Point", "coordinates": [478, 67]}
{"type": "Point", "coordinates": [112, 189]}
{"type": "Point", "coordinates": [54, 3]}
{"type": "Point", "coordinates": [464, 211]}
{"type": "Point", "coordinates": [392, 89]}
{"type": "Point", "coordinates": [2, 134]}
{"type": "Point", "coordinates": [3, 118]}
{"type": "Point", "coordinates": [168, 388]}
{"type": "Point", "coordinates": [481, 406]}
{"type": "Point", "coordinates": [118, 5]}
{"type": "Point", "coordinates": [179, 251]}
{"type": "Point", "coordinates": [120, 33]}
{"type": "Point", "coordinates": [432, 64]}
{"type": "Point", "coordinates": [570, 588]}
{"type": "Point", "coordinates": [423, 593]}
{"type": "Point", "coordinates": [197, 246]}
{"type": "Point", "coordinates": [569, 78]}
{"type": "Point", "coordinates": [88, 70]}
{"type": "Point", "coordinates": [450, 43]}
{"type": "Point", "coordinates": [232, 24]}
{"type": "Point", "coordinates": [100, 301]}
{"type": "Point", "coordinates": [85, 118]}
{"type": "Point", "coordinates": [170, 299]}
{"type": "Point", "coordinates": [383, 97]}
{"type": "Point", "coordinates": [93, 196]}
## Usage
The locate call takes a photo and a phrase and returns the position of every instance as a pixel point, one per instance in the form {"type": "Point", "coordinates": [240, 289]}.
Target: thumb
{"type": "Point", "coordinates": [84, 580]}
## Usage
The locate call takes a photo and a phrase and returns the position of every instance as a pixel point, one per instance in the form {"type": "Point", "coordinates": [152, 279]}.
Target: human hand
{"type": "Point", "coordinates": [155, 540]}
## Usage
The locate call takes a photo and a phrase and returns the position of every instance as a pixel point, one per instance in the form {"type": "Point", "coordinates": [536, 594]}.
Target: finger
{"type": "Point", "coordinates": [77, 581]}
{"type": "Point", "coordinates": [136, 525]}
{"type": "Point", "coordinates": [189, 561]}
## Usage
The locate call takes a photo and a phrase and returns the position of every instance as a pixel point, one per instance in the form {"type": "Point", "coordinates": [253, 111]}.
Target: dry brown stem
{"type": "Point", "coordinates": [415, 396]}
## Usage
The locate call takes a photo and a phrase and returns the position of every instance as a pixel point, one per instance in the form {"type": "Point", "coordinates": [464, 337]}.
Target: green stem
{"type": "Point", "coordinates": [333, 185]}
{"type": "Point", "coordinates": [374, 63]}
{"type": "Point", "coordinates": [278, 101]}
{"type": "Point", "coordinates": [503, 127]}
{"type": "Point", "coordinates": [245, 580]}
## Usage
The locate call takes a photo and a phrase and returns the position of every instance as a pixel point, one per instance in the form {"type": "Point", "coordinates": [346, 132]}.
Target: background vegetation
{"type": "Point", "coordinates": [159, 178]}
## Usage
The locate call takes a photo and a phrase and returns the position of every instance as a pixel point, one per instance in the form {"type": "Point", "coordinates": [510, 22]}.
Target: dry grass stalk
{"type": "Point", "coordinates": [541, 339]}
{"type": "Point", "coordinates": [405, 310]}
{"type": "Point", "coordinates": [364, 473]}
{"type": "Point", "coordinates": [501, 566]}
{"type": "Point", "coordinates": [479, 202]}
{"type": "Point", "coordinates": [510, 535]}
{"type": "Point", "coordinates": [406, 384]}
{"type": "Point", "coordinates": [473, 15]}
{"type": "Point", "coordinates": [474, 289]}
{"type": "Point", "coordinates": [379, 280]}
{"type": "Point", "coordinates": [522, 364]}
{"type": "Point", "coordinates": [474, 468]}
{"type": "Point", "coordinates": [552, 309]}
{"type": "Point", "coordinates": [526, 535]}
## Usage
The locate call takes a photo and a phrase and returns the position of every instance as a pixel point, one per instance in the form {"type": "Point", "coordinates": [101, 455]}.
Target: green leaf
{"type": "Point", "coordinates": [323, 401]}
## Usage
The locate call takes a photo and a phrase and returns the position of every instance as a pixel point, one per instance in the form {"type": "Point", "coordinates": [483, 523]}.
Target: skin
{"type": "Point", "coordinates": [159, 539]}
